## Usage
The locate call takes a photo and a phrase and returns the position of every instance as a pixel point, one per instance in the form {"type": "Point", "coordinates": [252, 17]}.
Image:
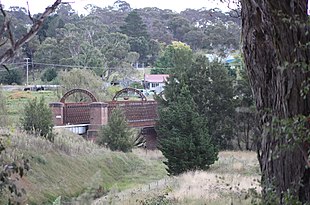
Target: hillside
{"type": "Point", "coordinates": [75, 169]}
{"type": "Point", "coordinates": [78, 171]}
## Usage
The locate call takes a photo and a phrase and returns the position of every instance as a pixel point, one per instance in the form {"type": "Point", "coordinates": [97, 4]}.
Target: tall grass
{"type": "Point", "coordinates": [75, 169]}
{"type": "Point", "coordinates": [233, 179]}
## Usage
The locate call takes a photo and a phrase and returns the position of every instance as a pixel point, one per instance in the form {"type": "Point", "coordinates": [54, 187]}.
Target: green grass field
{"type": "Point", "coordinates": [16, 100]}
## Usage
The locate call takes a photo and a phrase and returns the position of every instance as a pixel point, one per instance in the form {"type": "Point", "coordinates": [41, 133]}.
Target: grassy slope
{"type": "Point", "coordinates": [71, 166]}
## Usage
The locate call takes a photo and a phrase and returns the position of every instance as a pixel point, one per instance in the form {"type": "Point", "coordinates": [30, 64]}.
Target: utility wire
{"type": "Point", "coordinates": [59, 65]}
{"type": "Point", "coordinates": [62, 65]}
{"type": "Point", "coordinates": [51, 64]}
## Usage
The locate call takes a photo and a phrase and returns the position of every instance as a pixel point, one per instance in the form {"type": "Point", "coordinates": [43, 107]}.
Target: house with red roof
{"type": "Point", "coordinates": [155, 82]}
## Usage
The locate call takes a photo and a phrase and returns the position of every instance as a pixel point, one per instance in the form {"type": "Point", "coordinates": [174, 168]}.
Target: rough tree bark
{"type": "Point", "coordinates": [274, 35]}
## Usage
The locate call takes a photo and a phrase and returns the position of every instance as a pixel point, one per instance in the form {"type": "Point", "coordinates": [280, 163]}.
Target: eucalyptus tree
{"type": "Point", "coordinates": [276, 52]}
{"type": "Point", "coordinates": [179, 26]}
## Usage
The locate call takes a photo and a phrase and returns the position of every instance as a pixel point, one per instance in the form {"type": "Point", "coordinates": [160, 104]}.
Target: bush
{"type": "Point", "coordinates": [37, 119]}
{"type": "Point", "coordinates": [49, 75]}
{"type": "Point", "coordinates": [11, 77]}
{"type": "Point", "coordinates": [136, 85]}
{"type": "Point", "coordinates": [160, 71]}
{"type": "Point", "coordinates": [117, 135]}
{"type": "Point", "coordinates": [13, 168]}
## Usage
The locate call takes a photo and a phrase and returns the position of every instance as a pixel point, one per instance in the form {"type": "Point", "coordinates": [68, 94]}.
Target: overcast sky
{"type": "Point", "coordinates": [37, 6]}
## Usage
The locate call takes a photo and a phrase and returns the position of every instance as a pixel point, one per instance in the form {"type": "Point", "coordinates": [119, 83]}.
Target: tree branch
{"type": "Point", "coordinates": [29, 14]}
{"type": "Point", "coordinates": [10, 52]}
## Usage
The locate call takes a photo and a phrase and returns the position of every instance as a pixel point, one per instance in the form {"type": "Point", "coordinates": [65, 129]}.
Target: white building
{"type": "Point", "coordinates": [154, 82]}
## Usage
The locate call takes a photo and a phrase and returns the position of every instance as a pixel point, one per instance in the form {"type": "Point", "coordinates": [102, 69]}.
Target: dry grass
{"type": "Point", "coordinates": [20, 95]}
{"type": "Point", "coordinates": [228, 181]}
{"type": "Point", "coordinates": [149, 154]}
{"type": "Point", "coordinates": [205, 186]}
{"type": "Point", "coordinates": [64, 141]}
{"type": "Point", "coordinates": [236, 162]}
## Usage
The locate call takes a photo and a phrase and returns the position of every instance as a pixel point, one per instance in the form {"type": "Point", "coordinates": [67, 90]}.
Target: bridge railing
{"type": "Point", "coordinates": [137, 113]}
{"type": "Point", "coordinates": [76, 113]}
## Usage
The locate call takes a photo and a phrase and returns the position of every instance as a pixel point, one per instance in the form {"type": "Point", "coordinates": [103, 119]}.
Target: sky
{"type": "Point", "coordinates": [37, 6]}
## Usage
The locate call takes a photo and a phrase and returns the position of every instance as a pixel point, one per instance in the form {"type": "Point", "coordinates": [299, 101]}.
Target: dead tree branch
{"type": "Point", "coordinates": [15, 45]}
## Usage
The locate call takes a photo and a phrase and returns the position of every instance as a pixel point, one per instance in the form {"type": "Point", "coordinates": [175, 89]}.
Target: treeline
{"type": "Point", "coordinates": [116, 38]}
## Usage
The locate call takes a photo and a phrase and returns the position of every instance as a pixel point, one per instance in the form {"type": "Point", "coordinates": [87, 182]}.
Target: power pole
{"type": "Point", "coordinates": [27, 66]}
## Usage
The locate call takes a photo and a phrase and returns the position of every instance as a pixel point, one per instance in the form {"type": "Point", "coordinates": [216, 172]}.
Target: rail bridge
{"type": "Point", "coordinates": [88, 117]}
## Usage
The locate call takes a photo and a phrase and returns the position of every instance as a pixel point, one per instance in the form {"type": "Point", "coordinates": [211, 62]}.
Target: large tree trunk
{"type": "Point", "coordinates": [274, 35]}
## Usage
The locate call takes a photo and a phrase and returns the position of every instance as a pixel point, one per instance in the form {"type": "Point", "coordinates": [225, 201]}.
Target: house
{"type": "Point", "coordinates": [154, 82]}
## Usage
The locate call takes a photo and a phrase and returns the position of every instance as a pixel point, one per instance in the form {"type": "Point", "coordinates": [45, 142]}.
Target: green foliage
{"type": "Point", "coordinates": [179, 26]}
{"type": "Point", "coordinates": [271, 198]}
{"type": "Point", "coordinates": [37, 119]}
{"type": "Point", "coordinates": [212, 90]}
{"type": "Point", "coordinates": [136, 85]}
{"type": "Point", "coordinates": [160, 71]}
{"type": "Point", "coordinates": [12, 77]}
{"type": "Point", "coordinates": [136, 30]}
{"type": "Point", "coordinates": [139, 45]}
{"type": "Point", "coordinates": [81, 78]}
{"type": "Point", "coordinates": [165, 60]}
{"type": "Point", "coordinates": [11, 171]}
{"type": "Point", "coordinates": [117, 135]}
{"type": "Point", "coordinates": [134, 26]}
{"type": "Point", "coordinates": [293, 130]}
{"type": "Point", "coordinates": [184, 138]}
{"type": "Point", "coordinates": [195, 38]}
{"type": "Point", "coordinates": [176, 55]}
{"type": "Point", "coordinates": [49, 75]}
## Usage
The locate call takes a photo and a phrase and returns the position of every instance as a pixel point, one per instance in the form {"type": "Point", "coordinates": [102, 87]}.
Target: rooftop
{"type": "Point", "coordinates": [152, 78]}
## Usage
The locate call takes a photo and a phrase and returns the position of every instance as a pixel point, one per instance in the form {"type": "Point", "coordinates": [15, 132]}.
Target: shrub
{"type": "Point", "coordinates": [37, 119]}
{"type": "Point", "coordinates": [49, 75]}
{"type": "Point", "coordinates": [117, 135]}
{"type": "Point", "coordinates": [160, 71]}
{"type": "Point", "coordinates": [12, 77]}
{"type": "Point", "coordinates": [13, 168]}
{"type": "Point", "coordinates": [136, 85]}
